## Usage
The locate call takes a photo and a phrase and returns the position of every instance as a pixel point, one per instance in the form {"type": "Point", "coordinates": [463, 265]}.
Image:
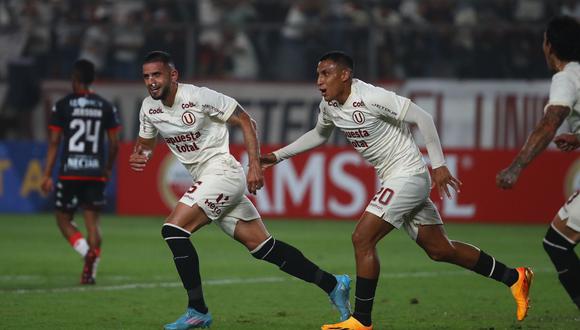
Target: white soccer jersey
{"type": "Point", "coordinates": [193, 128]}
{"type": "Point", "coordinates": [565, 91]}
{"type": "Point", "coordinates": [372, 121]}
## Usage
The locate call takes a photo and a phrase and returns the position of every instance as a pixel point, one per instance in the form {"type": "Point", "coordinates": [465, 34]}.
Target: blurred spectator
{"type": "Point", "coordinates": [530, 10]}
{"type": "Point", "coordinates": [128, 40]}
{"type": "Point", "coordinates": [210, 39]}
{"type": "Point", "coordinates": [35, 16]}
{"type": "Point", "coordinates": [69, 30]}
{"type": "Point", "coordinates": [96, 40]}
{"type": "Point", "coordinates": [300, 40]}
{"type": "Point", "coordinates": [280, 39]}
{"type": "Point", "coordinates": [571, 8]}
{"type": "Point", "coordinates": [164, 32]}
{"type": "Point", "coordinates": [240, 56]}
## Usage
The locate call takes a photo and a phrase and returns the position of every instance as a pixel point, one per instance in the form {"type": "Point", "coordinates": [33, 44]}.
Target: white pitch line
{"type": "Point", "coordinates": [226, 281]}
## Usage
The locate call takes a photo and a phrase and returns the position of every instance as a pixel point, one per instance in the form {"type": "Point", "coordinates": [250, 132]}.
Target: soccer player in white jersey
{"type": "Point", "coordinates": [376, 122]}
{"type": "Point", "coordinates": [562, 52]}
{"type": "Point", "coordinates": [192, 121]}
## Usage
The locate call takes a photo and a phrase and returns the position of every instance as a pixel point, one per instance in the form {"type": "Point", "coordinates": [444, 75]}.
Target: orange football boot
{"type": "Point", "coordinates": [521, 291]}
{"type": "Point", "coordinates": [350, 324]}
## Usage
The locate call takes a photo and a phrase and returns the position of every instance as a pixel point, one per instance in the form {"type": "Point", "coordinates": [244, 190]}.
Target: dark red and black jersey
{"type": "Point", "coordinates": [83, 119]}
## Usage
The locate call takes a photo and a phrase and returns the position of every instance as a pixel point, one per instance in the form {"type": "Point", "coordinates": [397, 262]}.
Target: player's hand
{"type": "Point", "coordinates": [567, 142]}
{"type": "Point", "coordinates": [268, 160]}
{"type": "Point", "coordinates": [507, 178]}
{"type": "Point", "coordinates": [46, 185]}
{"type": "Point", "coordinates": [139, 158]}
{"type": "Point", "coordinates": [255, 179]}
{"type": "Point", "coordinates": [442, 179]}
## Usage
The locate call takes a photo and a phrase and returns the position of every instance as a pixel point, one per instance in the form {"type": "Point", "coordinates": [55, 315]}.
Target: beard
{"type": "Point", "coordinates": [163, 92]}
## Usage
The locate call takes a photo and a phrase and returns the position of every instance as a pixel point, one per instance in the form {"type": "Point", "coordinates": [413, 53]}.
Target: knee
{"type": "Point", "coordinates": [264, 249]}
{"type": "Point", "coordinates": [441, 253]}
{"type": "Point", "coordinates": [361, 241]}
{"type": "Point", "coordinates": [169, 231]}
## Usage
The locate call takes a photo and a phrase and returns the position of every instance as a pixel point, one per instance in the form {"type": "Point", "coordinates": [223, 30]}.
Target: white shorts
{"type": "Point", "coordinates": [571, 211]}
{"type": "Point", "coordinates": [219, 192]}
{"type": "Point", "coordinates": [404, 201]}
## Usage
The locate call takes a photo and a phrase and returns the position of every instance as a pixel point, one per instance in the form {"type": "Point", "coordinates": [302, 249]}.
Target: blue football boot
{"type": "Point", "coordinates": [340, 296]}
{"type": "Point", "coordinates": [190, 320]}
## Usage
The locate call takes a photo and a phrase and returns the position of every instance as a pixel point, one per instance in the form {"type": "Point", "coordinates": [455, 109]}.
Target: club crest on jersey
{"type": "Point", "coordinates": [188, 118]}
{"type": "Point", "coordinates": [358, 117]}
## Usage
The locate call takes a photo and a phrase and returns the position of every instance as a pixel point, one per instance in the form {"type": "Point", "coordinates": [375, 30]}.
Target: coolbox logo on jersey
{"type": "Point", "coordinates": [358, 104]}
{"type": "Point", "coordinates": [155, 111]}
{"type": "Point", "coordinates": [333, 103]}
{"type": "Point", "coordinates": [358, 117]}
{"type": "Point", "coordinates": [188, 118]}
{"type": "Point", "coordinates": [187, 105]}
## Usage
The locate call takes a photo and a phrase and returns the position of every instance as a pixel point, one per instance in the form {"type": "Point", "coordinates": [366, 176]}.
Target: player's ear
{"type": "Point", "coordinates": [345, 75]}
{"type": "Point", "coordinates": [174, 75]}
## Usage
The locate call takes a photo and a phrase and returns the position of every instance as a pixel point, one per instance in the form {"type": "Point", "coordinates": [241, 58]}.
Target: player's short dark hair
{"type": "Point", "coordinates": [84, 71]}
{"type": "Point", "coordinates": [563, 33]}
{"type": "Point", "coordinates": [340, 58]}
{"type": "Point", "coordinates": [159, 56]}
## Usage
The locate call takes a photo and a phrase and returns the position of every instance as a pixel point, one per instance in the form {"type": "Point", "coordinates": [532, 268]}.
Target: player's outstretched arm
{"type": "Point", "coordinates": [567, 142]}
{"type": "Point", "coordinates": [538, 140]}
{"type": "Point", "coordinates": [142, 152]}
{"type": "Point", "coordinates": [255, 177]}
{"type": "Point", "coordinates": [268, 160]}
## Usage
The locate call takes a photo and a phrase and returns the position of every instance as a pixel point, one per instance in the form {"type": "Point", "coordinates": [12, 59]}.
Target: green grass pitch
{"type": "Point", "coordinates": [138, 287]}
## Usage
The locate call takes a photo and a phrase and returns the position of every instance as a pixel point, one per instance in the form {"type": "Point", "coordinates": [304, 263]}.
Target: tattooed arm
{"type": "Point", "coordinates": [241, 118]}
{"type": "Point", "coordinates": [538, 140]}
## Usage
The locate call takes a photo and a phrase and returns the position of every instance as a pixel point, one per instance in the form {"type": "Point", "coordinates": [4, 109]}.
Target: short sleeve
{"type": "Point", "coordinates": [217, 105]}
{"type": "Point", "coordinates": [386, 103]}
{"type": "Point", "coordinates": [112, 119]}
{"type": "Point", "coordinates": [562, 91]}
{"type": "Point", "coordinates": [57, 121]}
{"type": "Point", "coordinates": [146, 129]}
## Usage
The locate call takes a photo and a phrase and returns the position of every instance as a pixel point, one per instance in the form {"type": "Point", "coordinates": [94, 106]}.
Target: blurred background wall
{"type": "Point", "coordinates": [476, 66]}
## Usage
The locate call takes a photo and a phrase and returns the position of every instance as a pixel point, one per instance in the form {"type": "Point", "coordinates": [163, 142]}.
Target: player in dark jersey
{"type": "Point", "coordinates": [81, 120]}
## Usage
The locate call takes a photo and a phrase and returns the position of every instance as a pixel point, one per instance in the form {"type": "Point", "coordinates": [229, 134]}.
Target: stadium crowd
{"type": "Point", "coordinates": [258, 39]}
